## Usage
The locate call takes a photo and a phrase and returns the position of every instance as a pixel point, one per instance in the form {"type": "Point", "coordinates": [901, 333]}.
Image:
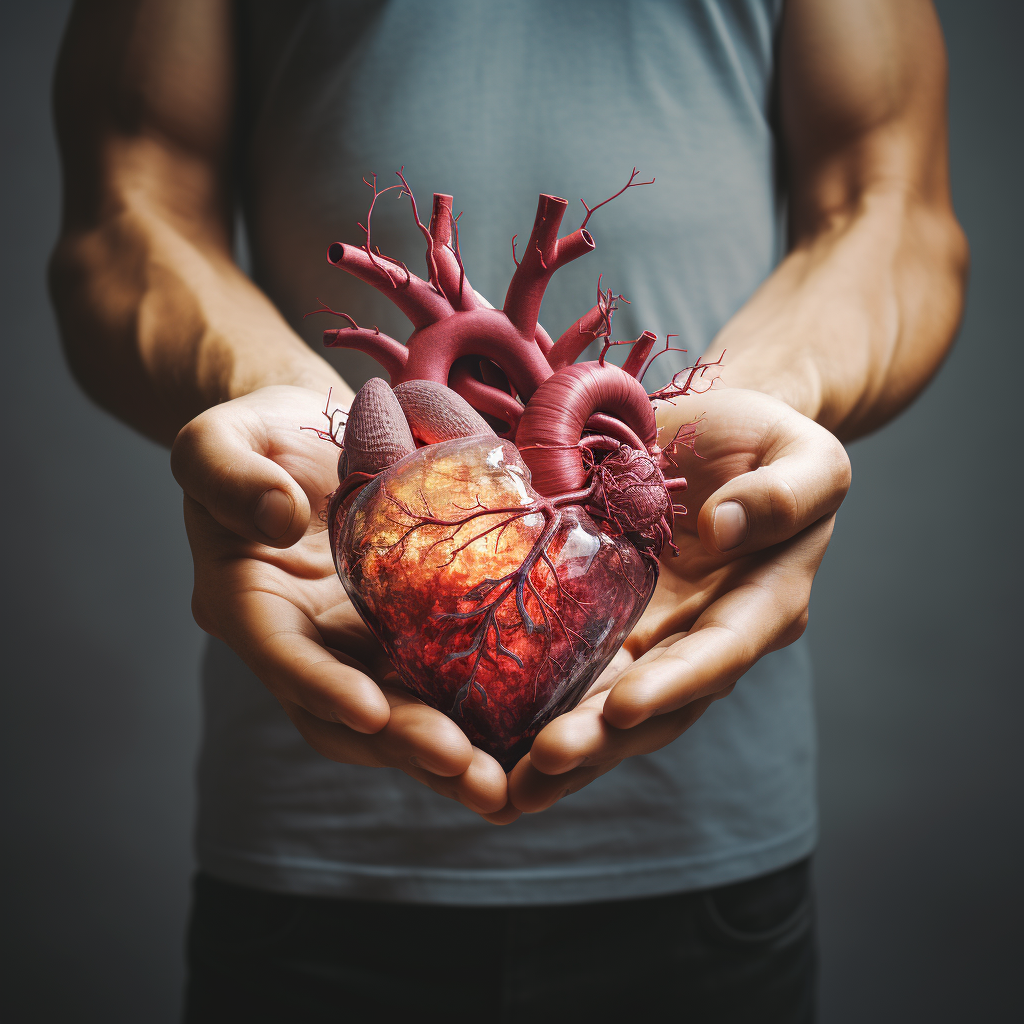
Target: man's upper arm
{"type": "Point", "coordinates": [143, 101]}
{"type": "Point", "coordinates": [863, 105]}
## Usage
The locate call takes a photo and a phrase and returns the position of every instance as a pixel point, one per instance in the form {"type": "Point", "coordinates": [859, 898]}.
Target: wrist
{"type": "Point", "coordinates": [293, 365]}
{"type": "Point", "coordinates": [794, 379]}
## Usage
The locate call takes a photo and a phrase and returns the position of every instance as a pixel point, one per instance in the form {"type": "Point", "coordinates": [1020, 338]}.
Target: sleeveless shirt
{"type": "Point", "coordinates": [496, 103]}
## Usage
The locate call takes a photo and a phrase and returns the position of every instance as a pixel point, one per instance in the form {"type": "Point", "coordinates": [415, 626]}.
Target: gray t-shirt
{"type": "Point", "coordinates": [496, 103]}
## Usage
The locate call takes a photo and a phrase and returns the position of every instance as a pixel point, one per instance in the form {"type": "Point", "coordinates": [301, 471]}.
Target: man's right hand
{"type": "Point", "coordinates": [265, 584]}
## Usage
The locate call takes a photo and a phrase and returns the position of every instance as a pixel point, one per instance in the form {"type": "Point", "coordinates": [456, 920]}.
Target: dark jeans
{"type": "Point", "coordinates": [741, 954]}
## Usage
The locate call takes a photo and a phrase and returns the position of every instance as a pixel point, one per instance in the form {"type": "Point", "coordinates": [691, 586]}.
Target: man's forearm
{"type": "Point", "coordinates": [157, 320]}
{"type": "Point", "coordinates": [857, 318]}
{"type": "Point", "coordinates": [855, 321]}
{"type": "Point", "coordinates": [158, 326]}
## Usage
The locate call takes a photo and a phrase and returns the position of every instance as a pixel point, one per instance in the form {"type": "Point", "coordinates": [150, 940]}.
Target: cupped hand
{"type": "Point", "coordinates": [765, 483]}
{"type": "Point", "coordinates": [255, 484]}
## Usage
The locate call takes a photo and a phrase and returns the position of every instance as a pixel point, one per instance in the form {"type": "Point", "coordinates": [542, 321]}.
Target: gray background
{"type": "Point", "coordinates": [915, 616]}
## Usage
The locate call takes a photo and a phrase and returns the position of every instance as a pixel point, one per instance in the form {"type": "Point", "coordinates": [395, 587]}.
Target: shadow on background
{"type": "Point", "coordinates": [915, 626]}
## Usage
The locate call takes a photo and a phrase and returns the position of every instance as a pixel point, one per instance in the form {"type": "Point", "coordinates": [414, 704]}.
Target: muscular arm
{"type": "Point", "coordinates": [158, 321]}
{"type": "Point", "coordinates": [846, 331]}
{"type": "Point", "coordinates": [857, 318]}
{"type": "Point", "coordinates": [164, 330]}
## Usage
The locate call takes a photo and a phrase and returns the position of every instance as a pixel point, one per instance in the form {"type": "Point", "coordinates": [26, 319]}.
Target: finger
{"type": "Point", "coordinates": [482, 787]}
{"type": "Point", "coordinates": [806, 479]}
{"type": "Point", "coordinates": [584, 738]}
{"type": "Point", "coordinates": [280, 644]}
{"type": "Point", "coordinates": [426, 739]}
{"type": "Point", "coordinates": [766, 610]}
{"type": "Point", "coordinates": [219, 462]}
{"type": "Point", "coordinates": [417, 739]}
{"type": "Point", "coordinates": [505, 816]}
{"type": "Point", "coordinates": [531, 791]}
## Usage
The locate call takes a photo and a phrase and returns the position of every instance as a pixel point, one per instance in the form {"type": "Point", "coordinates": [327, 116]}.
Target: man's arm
{"type": "Point", "coordinates": [857, 318]}
{"type": "Point", "coordinates": [163, 329]}
{"type": "Point", "coordinates": [158, 321]}
{"type": "Point", "coordinates": [846, 331]}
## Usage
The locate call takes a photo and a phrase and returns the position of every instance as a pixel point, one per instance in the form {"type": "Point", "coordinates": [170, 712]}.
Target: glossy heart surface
{"type": "Point", "coordinates": [494, 605]}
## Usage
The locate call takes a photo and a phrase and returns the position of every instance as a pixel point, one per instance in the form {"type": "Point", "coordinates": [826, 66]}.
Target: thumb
{"type": "Point", "coordinates": [806, 479]}
{"type": "Point", "coordinates": [221, 462]}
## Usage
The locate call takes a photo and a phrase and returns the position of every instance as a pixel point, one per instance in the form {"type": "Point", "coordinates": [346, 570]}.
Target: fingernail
{"type": "Point", "coordinates": [273, 513]}
{"type": "Point", "coordinates": [730, 525]}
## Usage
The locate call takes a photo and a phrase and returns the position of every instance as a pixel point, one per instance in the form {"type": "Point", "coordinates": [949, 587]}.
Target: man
{"type": "Point", "coordinates": [675, 880]}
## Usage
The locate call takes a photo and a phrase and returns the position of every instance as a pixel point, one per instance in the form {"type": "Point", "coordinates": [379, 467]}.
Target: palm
{"type": "Point", "coordinates": [282, 607]}
{"type": "Point", "coordinates": [302, 577]}
{"type": "Point", "coordinates": [713, 613]}
{"type": "Point", "coordinates": [299, 578]}
{"type": "Point", "coordinates": [730, 440]}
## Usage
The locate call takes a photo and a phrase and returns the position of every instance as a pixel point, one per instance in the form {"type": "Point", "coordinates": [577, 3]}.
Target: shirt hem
{"type": "Point", "coordinates": [308, 876]}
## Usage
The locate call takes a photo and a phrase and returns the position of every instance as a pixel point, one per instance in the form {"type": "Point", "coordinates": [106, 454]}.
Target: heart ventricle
{"type": "Point", "coordinates": [494, 606]}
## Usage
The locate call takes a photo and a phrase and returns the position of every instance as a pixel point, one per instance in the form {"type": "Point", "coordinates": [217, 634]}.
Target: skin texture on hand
{"type": "Point", "coordinates": [715, 612]}
{"type": "Point", "coordinates": [278, 603]}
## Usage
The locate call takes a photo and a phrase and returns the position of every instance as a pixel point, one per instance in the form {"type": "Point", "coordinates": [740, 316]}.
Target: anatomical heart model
{"type": "Point", "coordinates": [501, 508]}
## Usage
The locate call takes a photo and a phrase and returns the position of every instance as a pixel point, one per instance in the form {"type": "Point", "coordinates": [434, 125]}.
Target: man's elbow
{"type": "Point", "coordinates": [71, 274]}
{"type": "Point", "coordinates": [96, 281]}
{"type": "Point", "coordinates": [954, 257]}
{"type": "Point", "coordinates": [951, 269]}
{"type": "Point", "coordinates": [941, 268]}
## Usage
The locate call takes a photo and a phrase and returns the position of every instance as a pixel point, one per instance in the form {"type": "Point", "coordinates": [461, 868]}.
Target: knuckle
{"type": "Point", "coordinates": [182, 452]}
{"type": "Point", "coordinates": [191, 454]}
{"type": "Point", "coordinates": [843, 472]}
{"type": "Point", "coordinates": [193, 433]}
{"type": "Point", "coordinates": [793, 631]}
{"type": "Point", "coordinates": [839, 468]}
{"type": "Point", "coordinates": [799, 625]}
{"type": "Point", "coordinates": [784, 507]}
